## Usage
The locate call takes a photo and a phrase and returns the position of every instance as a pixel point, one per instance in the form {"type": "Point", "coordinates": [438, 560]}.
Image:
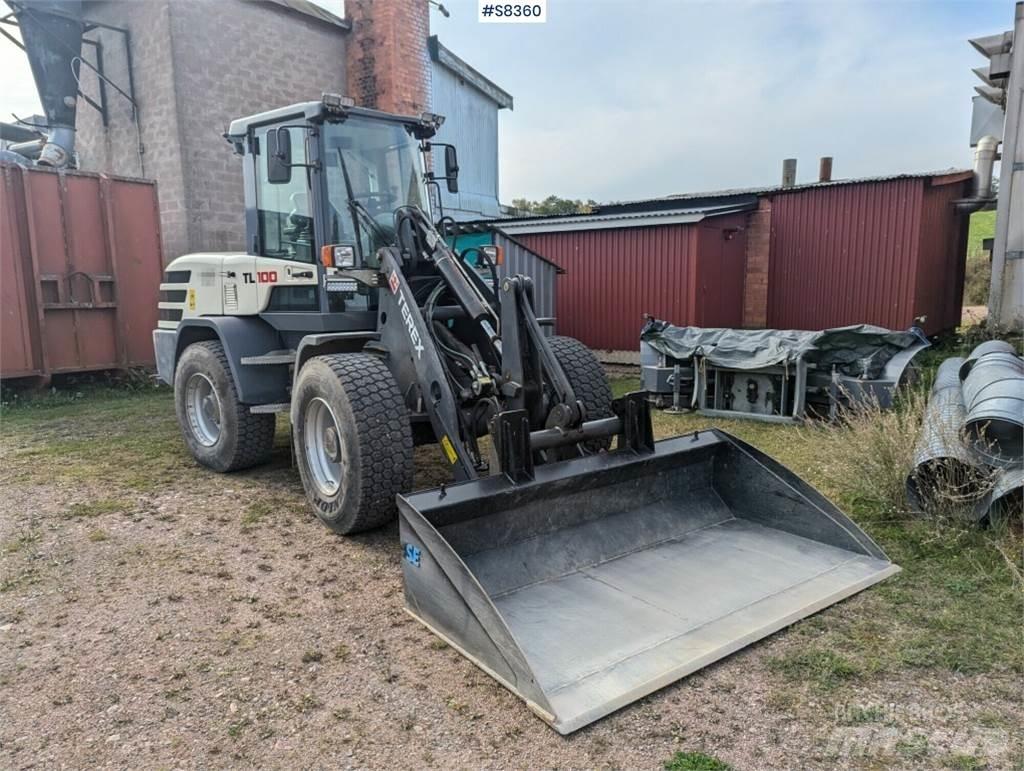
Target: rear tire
{"type": "Point", "coordinates": [219, 431]}
{"type": "Point", "coordinates": [589, 382]}
{"type": "Point", "coordinates": [352, 440]}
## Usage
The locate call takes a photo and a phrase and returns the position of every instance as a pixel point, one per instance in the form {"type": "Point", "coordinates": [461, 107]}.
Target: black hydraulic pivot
{"type": "Point", "coordinates": [510, 432]}
{"type": "Point", "coordinates": [634, 411]}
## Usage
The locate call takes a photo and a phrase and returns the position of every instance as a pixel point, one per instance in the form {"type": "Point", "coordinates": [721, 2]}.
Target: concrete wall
{"type": "Point", "coordinates": [197, 64]}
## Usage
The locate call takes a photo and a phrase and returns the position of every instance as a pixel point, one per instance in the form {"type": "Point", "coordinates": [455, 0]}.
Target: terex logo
{"type": "Point", "coordinates": [393, 282]}
{"type": "Point", "coordinates": [407, 317]}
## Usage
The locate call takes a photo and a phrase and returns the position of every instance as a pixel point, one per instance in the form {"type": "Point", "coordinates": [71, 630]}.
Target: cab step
{"type": "Point", "coordinates": [265, 409]}
{"type": "Point", "coordinates": [271, 357]}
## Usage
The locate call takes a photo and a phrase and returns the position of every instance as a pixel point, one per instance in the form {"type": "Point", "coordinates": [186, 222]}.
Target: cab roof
{"type": "Point", "coordinates": [425, 125]}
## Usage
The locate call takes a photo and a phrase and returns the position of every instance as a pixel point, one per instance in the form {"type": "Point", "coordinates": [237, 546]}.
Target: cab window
{"type": "Point", "coordinates": [284, 215]}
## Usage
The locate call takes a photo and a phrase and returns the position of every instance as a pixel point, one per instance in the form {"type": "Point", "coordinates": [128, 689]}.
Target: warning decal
{"type": "Point", "coordinates": [446, 444]}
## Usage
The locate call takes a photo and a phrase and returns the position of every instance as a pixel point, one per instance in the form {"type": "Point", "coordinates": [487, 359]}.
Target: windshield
{"type": "Point", "coordinates": [382, 161]}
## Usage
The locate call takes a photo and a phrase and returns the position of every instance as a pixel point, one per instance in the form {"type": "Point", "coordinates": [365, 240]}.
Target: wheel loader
{"type": "Point", "coordinates": [579, 562]}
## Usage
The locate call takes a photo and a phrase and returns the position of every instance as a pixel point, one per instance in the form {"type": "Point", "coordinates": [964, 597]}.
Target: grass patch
{"type": "Point", "coordinates": [97, 508]}
{"type": "Point", "coordinates": [695, 761]}
{"type": "Point", "coordinates": [98, 536]}
{"type": "Point", "coordinates": [913, 747]}
{"type": "Point", "coordinates": [966, 762]}
{"type": "Point", "coordinates": [823, 667]}
{"type": "Point", "coordinates": [978, 275]}
{"type": "Point", "coordinates": [256, 512]}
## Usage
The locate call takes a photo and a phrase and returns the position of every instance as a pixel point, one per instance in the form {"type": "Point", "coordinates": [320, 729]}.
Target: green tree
{"type": "Point", "coordinates": [554, 205]}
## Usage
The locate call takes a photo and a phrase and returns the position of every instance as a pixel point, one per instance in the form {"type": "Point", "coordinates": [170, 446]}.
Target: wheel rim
{"type": "Point", "coordinates": [322, 444]}
{"type": "Point", "coordinates": [203, 407]}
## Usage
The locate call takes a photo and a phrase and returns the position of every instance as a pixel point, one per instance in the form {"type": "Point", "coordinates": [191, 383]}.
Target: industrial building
{"type": "Point", "coordinates": [175, 73]}
{"type": "Point", "coordinates": [883, 250]}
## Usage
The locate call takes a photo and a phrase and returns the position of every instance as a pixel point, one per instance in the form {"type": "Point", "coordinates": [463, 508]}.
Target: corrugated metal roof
{"type": "Point", "coordinates": [954, 175]}
{"type": "Point", "coordinates": [600, 220]}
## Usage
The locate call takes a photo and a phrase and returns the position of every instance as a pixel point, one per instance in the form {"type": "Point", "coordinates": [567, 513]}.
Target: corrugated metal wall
{"type": "Point", "coordinates": [81, 267]}
{"type": "Point", "coordinates": [615, 276]}
{"type": "Point", "coordinates": [520, 259]}
{"type": "Point", "coordinates": [880, 253]}
{"type": "Point", "coordinates": [471, 124]}
{"type": "Point", "coordinates": [942, 257]}
{"type": "Point", "coordinates": [845, 255]}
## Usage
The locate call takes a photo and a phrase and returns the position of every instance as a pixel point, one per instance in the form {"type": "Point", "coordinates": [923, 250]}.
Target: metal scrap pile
{"type": "Point", "coordinates": [970, 453]}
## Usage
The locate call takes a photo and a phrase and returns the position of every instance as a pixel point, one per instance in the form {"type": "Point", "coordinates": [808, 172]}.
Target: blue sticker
{"type": "Point", "coordinates": [412, 555]}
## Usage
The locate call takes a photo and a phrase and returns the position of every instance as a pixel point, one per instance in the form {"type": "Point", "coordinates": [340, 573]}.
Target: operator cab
{"type": "Point", "coordinates": [323, 182]}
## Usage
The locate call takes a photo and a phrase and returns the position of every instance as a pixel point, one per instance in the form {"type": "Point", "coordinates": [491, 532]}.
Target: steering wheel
{"type": "Point", "coordinates": [379, 201]}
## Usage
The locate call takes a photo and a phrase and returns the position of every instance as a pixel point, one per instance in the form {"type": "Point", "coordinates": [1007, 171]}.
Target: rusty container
{"type": "Point", "coordinates": [80, 266]}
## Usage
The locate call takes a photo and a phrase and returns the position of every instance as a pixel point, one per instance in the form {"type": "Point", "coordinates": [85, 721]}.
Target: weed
{"type": "Point", "coordinates": [307, 703]}
{"type": "Point", "coordinates": [913, 747]}
{"type": "Point", "coordinates": [235, 729]}
{"type": "Point", "coordinates": [341, 652]}
{"type": "Point", "coordinates": [310, 657]}
{"type": "Point", "coordinates": [23, 541]}
{"type": "Point", "coordinates": [695, 761]}
{"type": "Point", "coordinates": [98, 535]}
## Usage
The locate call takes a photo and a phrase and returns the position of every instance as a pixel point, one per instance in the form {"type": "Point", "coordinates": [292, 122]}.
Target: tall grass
{"type": "Point", "coordinates": [871, 454]}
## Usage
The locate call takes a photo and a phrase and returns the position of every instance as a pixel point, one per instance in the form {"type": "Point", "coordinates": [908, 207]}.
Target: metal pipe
{"type": "Point", "coordinates": [984, 160]}
{"type": "Point", "coordinates": [991, 346]}
{"type": "Point", "coordinates": [993, 395]}
{"type": "Point", "coordinates": [943, 465]}
{"type": "Point", "coordinates": [825, 169]}
{"type": "Point", "coordinates": [789, 172]}
{"type": "Point", "coordinates": [982, 194]}
{"type": "Point", "coordinates": [548, 438]}
{"type": "Point", "coordinates": [1007, 494]}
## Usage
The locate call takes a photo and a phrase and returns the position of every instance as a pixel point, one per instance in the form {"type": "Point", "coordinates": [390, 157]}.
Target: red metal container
{"type": "Point", "coordinates": [684, 273]}
{"type": "Point", "coordinates": [878, 252]}
{"type": "Point", "coordinates": [80, 267]}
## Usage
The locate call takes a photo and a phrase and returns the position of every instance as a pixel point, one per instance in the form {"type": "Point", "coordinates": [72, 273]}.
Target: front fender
{"type": "Point", "coordinates": [241, 337]}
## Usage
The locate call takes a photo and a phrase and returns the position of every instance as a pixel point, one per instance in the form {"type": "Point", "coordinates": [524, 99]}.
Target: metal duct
{"type": "Point", "coordinates": [992, 346]}
{"type": "Point", "coordinates": [51, 31]}
{"type": "Point", "coordinates": [1007, 494]}
{"type": "Point", "coordinates": [984, 160]}
{"type": "Point", "coordinates": [941, 459]}
{"type": "Point", "coordinates": [993, 395]}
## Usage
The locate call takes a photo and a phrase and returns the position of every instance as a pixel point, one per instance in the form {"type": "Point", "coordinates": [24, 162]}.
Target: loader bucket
{"type": "Point", "coordinates": [611, 576]}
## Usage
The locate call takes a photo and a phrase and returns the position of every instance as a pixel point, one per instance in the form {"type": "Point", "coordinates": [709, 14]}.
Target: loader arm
{"type": "Point", "coordinates": [518, 385]}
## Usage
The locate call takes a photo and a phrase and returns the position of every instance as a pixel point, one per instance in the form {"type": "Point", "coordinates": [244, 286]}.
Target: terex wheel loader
{"type": "Point", "coordinates": [579, 575]}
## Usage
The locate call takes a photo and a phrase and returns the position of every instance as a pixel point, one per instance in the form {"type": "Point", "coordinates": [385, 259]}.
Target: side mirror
{"type": "Point", "coordinates": [279, 156]}
{"type": "Point", "coordinates": [451, 168]}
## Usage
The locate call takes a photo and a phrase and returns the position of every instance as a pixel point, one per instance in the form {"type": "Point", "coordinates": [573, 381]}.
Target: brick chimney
{"type": "Point", "coordinates": [388, 64]}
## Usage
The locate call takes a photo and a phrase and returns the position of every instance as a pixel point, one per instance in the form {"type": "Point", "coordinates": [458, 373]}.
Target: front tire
{"type": "Point", "coordinates": [589, 382]}
{"type": "Point", "coordinates": [352, 440]}
{"type": "Point", "coordinates": [219, 431]}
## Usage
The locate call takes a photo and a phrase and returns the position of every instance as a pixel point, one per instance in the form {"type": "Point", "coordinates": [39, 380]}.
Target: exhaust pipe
{"type": "Point", "coordinates": [984, 159]}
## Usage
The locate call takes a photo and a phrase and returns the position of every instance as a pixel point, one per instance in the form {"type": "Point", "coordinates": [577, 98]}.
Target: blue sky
{"type": "Point", "coordinates": [626, 100]}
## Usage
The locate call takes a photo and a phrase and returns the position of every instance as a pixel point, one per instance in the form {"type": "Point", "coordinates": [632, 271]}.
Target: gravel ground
{"type": "Point", "coordinates": [211, 621]}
